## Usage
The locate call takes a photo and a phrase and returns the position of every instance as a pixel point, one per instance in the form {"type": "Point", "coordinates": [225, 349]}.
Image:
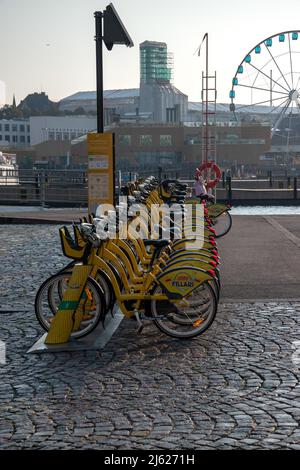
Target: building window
{"type": "Point", "coordinates": [7, 138]}
{"type": "Point", "coordinates": [28, 128]}
{"type": "Point", "coordinates": [22, 128]}
{"type": "Point", "coordinates": [51, 136]}
{"type": "Point", "coordinates": [14, 127]}
{"type": "Point", "coordinates": [110, 115]}
{"type": "Point", "coordinates": [0, 137]}
{"type": "Point", "coordinates": [66, 136]}
{"type": "Point", "coordinates": [22, 139]}
{"type": "Point", "coordinates": [0, 127]}
{"type": "Point", "coordinates": [58, 136]}
{"type": "Point", "coordinates": [171, 115]}
{"type": "Point", "coordinates": [165, 140]}
{"type": "Point", "coordinates": [148, 160]}
{"type": "Point", "coordinates": [15, 138]}
{"type": "Point", "coordinates": [145, 139]}
{"type": "Point", "coordinates": [6, 127]}
{"type": "Point", "coordinates": [28, 139]}
{"type": "Point", "coordinates": [193, 139]}
{"type": "Point", "coordinates": [125, 139]}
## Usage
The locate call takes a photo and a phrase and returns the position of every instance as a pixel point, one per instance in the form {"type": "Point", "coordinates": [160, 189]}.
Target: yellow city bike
{"type": "Point", "coordinates": [130, 260]}
{"type": "Point", "coordinates": [133, 257]}
{"type": "Point", "coordinates": [177, 297]}
{"type": "Point", "coordinates": [218, 214]}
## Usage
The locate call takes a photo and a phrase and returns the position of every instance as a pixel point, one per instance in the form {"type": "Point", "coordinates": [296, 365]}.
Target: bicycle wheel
{"type": "Point", "coordinates": [215, 284]}
{"type": "Point", "coordinates": [62, 285]}
{"type": "Point", "coordinates": [222, 224]}
{"type": "Point", "coordinates": [188, 317]}
{"type": "Point", "coordinates": [94, 306]}
{"type": "Point", "coordinates": [202, 307]}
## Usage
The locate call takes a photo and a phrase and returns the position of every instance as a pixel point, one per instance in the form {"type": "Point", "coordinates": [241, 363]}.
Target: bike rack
{"type": "Point", "coordinates": [92, 342]}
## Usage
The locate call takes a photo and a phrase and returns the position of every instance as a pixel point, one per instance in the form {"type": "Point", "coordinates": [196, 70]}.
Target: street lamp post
{"type": "Point", "coordinates": [99, 69]}
{"type": "Point", "coordinates": [114, 33]}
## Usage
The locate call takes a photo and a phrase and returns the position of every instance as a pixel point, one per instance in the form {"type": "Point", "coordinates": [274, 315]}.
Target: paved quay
{"type": "Point", "coordinates": [236, 387]}
{"type": "Point", "coordinates": [39, 215]}
{"type": "Point", "coordinates": [261, 258]}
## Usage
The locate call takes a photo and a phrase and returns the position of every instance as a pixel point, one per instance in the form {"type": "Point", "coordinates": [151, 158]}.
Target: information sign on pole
{"type": "Point", "coordinates": [101, 162]}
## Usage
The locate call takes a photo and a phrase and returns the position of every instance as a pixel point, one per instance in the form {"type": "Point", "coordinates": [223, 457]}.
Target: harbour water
{"type": "Point", "coordinates": [265, 210]}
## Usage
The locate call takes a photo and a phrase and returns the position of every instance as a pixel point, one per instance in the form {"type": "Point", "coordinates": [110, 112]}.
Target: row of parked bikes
{"type": "Point", "coordinates": [161, 280]}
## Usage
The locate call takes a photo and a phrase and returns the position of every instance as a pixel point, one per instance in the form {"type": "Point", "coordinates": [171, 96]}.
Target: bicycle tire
{"type": "Point", "coordinates": [98, 296]}
{"type": "Point", "coordinates": [227, 228]}
{"type": "Point", "coordinates": [107, 290]}
{"type": "Point", "coordinates": [194, 331]}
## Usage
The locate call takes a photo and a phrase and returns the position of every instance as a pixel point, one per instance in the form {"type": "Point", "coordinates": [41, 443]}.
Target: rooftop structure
{"type": "Point", "coordinates": [91, 95]}
{"type": "Point", "coordinates": [156, 63]}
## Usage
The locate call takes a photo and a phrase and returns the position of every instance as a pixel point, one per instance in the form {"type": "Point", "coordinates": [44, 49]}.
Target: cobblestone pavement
{"type": "Point", "coordinates": [235, 387]}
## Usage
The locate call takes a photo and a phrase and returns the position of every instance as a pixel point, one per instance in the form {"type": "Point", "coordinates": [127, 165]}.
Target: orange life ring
{"type": "Point", "coordinates": [213, 166]}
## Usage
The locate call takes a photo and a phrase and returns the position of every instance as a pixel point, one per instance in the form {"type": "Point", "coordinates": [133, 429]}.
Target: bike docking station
{"type": "Point", "coordinates": [69, 315]}
{"type": "Point", "coordinates": [169, 278]}
{"type": "Point", "coordinates": [95, 341]}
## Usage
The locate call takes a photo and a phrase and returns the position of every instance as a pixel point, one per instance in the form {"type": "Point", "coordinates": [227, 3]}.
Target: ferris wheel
{"type": "Point", "coordinates": [267, 83]}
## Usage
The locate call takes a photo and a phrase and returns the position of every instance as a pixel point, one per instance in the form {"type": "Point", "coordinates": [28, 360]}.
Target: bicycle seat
{"type": "Point", "coordinates": [158, 244]}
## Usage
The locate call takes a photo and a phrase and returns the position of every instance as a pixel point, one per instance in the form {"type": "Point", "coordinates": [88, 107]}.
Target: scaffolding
{"type": "Point", "coordinates": [156, 63]}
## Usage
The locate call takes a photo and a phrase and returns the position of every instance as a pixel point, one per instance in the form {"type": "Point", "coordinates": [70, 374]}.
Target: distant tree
{"type": "Point", "coordinates": [38, 104]}
{"type": "Point", "coordinates": [10, 112]}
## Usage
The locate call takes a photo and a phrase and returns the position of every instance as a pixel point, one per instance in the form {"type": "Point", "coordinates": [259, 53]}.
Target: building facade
{"type": "Point", "coordinates": [158, 97]}
{"type": "Point", "coordinates": [15, 133]}
{"type": "Point", "coordinates": [179, 147]}
{"type": "Point", "coordinates": [175, 148]}
{"type": "Point", "coordinates": [44, 128]}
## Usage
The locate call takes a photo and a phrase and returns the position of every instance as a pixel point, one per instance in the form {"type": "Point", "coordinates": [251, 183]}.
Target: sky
{"type": "Point", "coordinates": [49, 45]}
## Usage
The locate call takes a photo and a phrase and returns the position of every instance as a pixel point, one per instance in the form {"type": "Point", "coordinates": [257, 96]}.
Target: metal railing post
{"type": "Point", "coordinates": [270, 180]}
{"type": "Point", "coordinates": [223, 179]}
{"type": "Point", "coordinates": [42, 189]}
{"type": "Point", "coordinates": [229, 190]}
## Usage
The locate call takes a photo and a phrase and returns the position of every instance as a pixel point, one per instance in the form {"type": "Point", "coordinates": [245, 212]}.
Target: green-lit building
{"type": "Point", "coordinates": [156, 63]}
{"type": "Point", "coordinates": [158, 96]}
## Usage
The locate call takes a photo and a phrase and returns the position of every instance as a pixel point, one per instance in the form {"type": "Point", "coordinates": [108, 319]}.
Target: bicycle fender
{"type": "Point", "coordinates": [181, 281]}
{"type": "Point", "coordinates": [185, 244]}
{"type": "Point", "coordinates": [216, 209]}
